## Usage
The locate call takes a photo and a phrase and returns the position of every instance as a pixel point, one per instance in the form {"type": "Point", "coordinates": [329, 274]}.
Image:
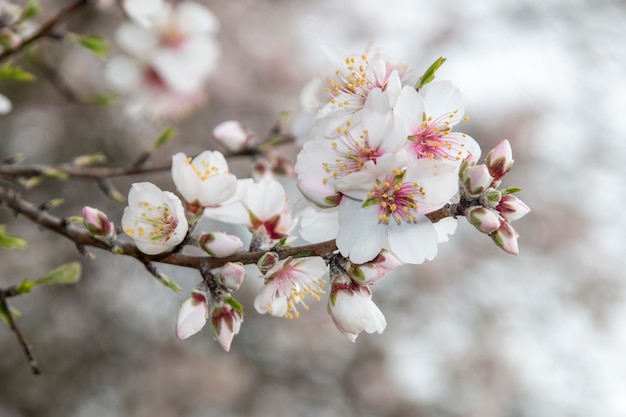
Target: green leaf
{"type": "Point", "coordinates": [429, 74]}
{"type": "Point", "coordinates": [163, 138]}
{"type": "Point", "coordinates": [9, 241]}
{"type": "Point", "coordinates": [24, 287]}
{"type": "Point", "coordinates": [14, 312]}
{"type": "Point", "coordinates": [96, 44]}
{"type": "Point", "coordinates": [65, 274]}
{"type": "Point", "coordinates": [103, 98]}
{"type": "Point", "coordinates": [169, 282]}
{"type": "Point", "coordinates": [511, 190]}
{"type": "Point", "coordinates": [234, 304]}
{"type": "Point", "coordinates": [14, 73]}
{"type": "Point", "coordinates": [31, 9]}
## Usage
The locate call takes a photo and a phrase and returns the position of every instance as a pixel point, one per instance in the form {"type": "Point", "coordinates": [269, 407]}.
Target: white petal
{"type": "Point", "coordinates": [136, 40]}
{"type": "Point", "coordinates": [143, 11]}
{"type": "Point", "coordinates": [266, 199]}
{"type": "Point", "coordinates": [195, 18]}
{"type": "Point", "coordinates": [360, 236]}
{"type": "Point", "coordinates": [413, 243]}
{"type": "Point", "coordinates": [410, 108]}
{"type": "Point", "coordinates": [443, 98]}
{"type": "Point", "coordinates": [123, 74]}
{"type": "Point", "coordinates": [191, 318]}
{"type": "Point", "coordinates": [445, 228]}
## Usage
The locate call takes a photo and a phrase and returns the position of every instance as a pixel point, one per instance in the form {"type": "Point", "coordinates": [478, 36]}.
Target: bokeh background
{"type": "Point", "coordinates": [476, 332]}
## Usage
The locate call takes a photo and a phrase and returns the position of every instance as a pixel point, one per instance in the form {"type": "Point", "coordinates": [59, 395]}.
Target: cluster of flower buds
{"type": "Point", "coordinates": [495, 209]}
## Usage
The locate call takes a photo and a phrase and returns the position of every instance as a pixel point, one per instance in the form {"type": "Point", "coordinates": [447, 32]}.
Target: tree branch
{"type": "Point", "coordinates": [18, 334]}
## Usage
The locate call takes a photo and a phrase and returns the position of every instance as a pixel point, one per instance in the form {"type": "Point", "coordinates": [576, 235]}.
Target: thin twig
{"type": "Point", "coordinates": [18, 334]}
{"type": "Point", "coordinates": [47, 28]}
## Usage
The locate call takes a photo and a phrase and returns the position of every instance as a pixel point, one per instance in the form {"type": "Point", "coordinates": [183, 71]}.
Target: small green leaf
{"type": "Point", "coordinates": [14, 312]}
{"type": "Point", "coordinates": [9, 241]}
{"type": "Point", "coordinates": [55, 173]}
{"type": "Point", "coordinates": [31, 9]}
{"type": "Point", "coordinates": [234, 304]}
{"type": "Point", "coordinates": [511, 190]}
{"type": "Point", "coordinates": [163, 138]}
{"type": "Point", "coordinates": [15, 73]}
{"type": "Point", "coordinates": [169, 282]}
{"type": "Point", "coordinates": [103, 98]}
{"type": "Point", "coordinates": [429, 74]}
{"type": "Point", "coordinates": [96, 44]}
{"type": "Point", "coordinates": [24, 287]}
{"type": "Point", "coordinates": [65, 274]}
{"type": "Point", "coordinates": [91, 159]}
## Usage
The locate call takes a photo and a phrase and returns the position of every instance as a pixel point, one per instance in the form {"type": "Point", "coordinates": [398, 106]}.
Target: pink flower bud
{"type": "Point", "coordinates": [192, 315]}
{"type": "Point", "coordinates": [220, 244]}
{"type": "Point", "coordinates": [506, 238]}
{"type": "Point", "coordinates": [97, 222]}
{"type": "Point", "coordinates": [375, 270]}
{"type": "Point", "coordinates": [231, 275]}
{"type": "Point", "coordinates": [500, 160]}
{"type": "Point", "coordinates": [267, 261]}
{"type": "Point", "coordinates": [233, 135]}
{"type": "Point", "coordinates": [484, 219]}
{"type": "Point", "coordinates": [352, 309]}
{"type": "Point", "coordinates": [262, 170]}
{"type": "Point", "coordinates": [476, 180]}
{"type": "Point", "coordinates": [512, 208]}
{"type": "Point", "coordinates": [225, 324]}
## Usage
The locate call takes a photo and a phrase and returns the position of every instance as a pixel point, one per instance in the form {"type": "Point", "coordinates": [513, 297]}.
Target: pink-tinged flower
{"type": "Point", "coordinates": [225, 323]}
{"type": "Point", "coordinates": [484, 219]}
{"type": "Point", "coordinates": [263, 209]}
{"type": "Point", "coordinates": [154, 219]}
{"type": "Point", "coordinates": [288, 283]}
{"type": "Point", "coordinates": [231, 275]}
{"type": "Point", "coordinates": [171, 50]}
{"type": "Point", "coordinates": [205, 181]}
{"type": "Point", "coordinates": [233, 135]}
{"type": "Point", "coordinates": [430, 119]}
{"type": "Point", "coordinates": [512, 208]}
{"type": "Point", "coordinates": [375, 270]}
{"type": "Point", "coordinates": [220, 244]}
{"type": "Point", "coordinates": [390, 213]}
{"type": "Point", "coordinates": [192, 314]}
{"type": "Point", "coordinates": [97, 222]}
{"type": "Point", "coordinates": [500, 160]}
{"type": "Point", "coordinates": [506, 238]}
{"type": "Point", "coordinates": [476, 179]}
{"type": "Point", "coordinates": [351, 307]}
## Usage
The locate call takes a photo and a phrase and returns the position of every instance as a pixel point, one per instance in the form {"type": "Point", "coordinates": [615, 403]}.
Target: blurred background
{"type": "Point", "coordinates": [476, 332]}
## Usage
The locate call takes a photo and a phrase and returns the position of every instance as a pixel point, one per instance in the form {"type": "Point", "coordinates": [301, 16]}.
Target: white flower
{"type": "Point", "coordinates": [172, 52]}
{"type": "Point", "coordinates": [233, 135]}
{"type": "Point", "coordinates": [5, 105]}
{"type": "Point", "coordinates": [389, 212]}
{"type": "Point", "coordinates": [352, 309]}
{"type": "Point", "coordinates": [287, 283]}
{"type": "Point", "coordinates": [192, 315]}
{"type": "Point", "coordinates": [154, 219]}
{"type": "Point", "coordinates": [430, 119]}
{"type": "Point", "coordinates": [205, 180]}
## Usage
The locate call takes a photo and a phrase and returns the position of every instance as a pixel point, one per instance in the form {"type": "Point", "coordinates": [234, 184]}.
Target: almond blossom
{"type": "Point", "coordinates": [154, 219]}
{"type": "Point", "coordinates": [192, 313]}
{"type": "Point", "coordinates": [287, 283]}
{"type": "Point", "coordinates": [171, 52]}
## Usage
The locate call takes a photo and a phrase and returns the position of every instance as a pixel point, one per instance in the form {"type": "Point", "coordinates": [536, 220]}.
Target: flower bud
{"type": "Point", "coordinates": [476, 180]}
{"type": "Point", "coordinates": [225, 323]}
{"type": "Point", "coordinates": [352, 310]}
{"type": "Point", "coordinates": [233, 135]}
{"type": "Point", "coordinates": [192, 315]}
{"type": "Point", "coordinates": [512, 208]}
{"type": "Point", "coordinates": [482, 218]}
{"type": "Point", "coordinates": [231, 275]}
{"type": "Point", "coordinates": [262, 170]}
{"type": "Point", "coordinates": [491, 197]}
{"type": "Point", "coordinates": [97, 222]}
{"type": "Point", "coordinates": [506, 238]}
{"type": "Point", "coordinates": [267, 261]}
{"type": "Point", "coordinates": [220, 244]}
{"type": "Point", "coordinates": [500, 160]}
{"type": "Point", "coordinates": [375, 270]}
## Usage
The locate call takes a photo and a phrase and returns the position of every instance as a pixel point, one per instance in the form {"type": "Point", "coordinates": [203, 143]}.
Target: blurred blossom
{"type": "Point", "coordinates": [5, 105]}
{"type": "Point", "coordinates": [233, 135]}
{"type": "Point", "coordinates": [171, 52]}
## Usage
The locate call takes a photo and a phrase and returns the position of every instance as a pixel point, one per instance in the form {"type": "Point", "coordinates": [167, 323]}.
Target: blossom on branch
{"type": "Point", "coordinates": [154, 219]}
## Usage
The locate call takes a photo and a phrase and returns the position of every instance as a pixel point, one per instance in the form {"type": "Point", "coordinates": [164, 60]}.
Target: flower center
{"type": "Point", "coordinates": [205, 170]}
{"type": "Point", "coordinates": [156, 223]}
{"type": "Point", "coordinates": [395, 199]}
{"type": "Point", "coordinates": [351, 156]}
{"type": "Point", "coordinates": [433, 139]}
{"type": "Point", "coordinates": [295, 285]}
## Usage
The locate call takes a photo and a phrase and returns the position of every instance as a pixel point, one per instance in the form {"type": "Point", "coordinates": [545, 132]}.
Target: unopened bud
{"type": "Point", "coordinates": [476, 180]}
{"type": "Point", "coordinates": [267, 261]}
{"type": "Point", "coordinates": [92, 159]}
{"type": "Point", "coordinates": [491, 197]}
{"type": "Point", "coordinates": [262, 170]}
{"type": "Point", "coordinates": [220, 244]}
{"type": "Point", "coordinates": [375, 270]}
{"type": "Point", "coordinates": [231, 275]}
{"type": "Point", "coordinates": [512, 208]}
{"type": "Point", "coordinates": [482, 218]}
{"type": "Point", "coordinates": [506, 238]}
{"type": "Point", "coordinates": [225, 323]}
{"type": "Point", "coordinates": [97, 222]}
{"type": "Point", "coordinates": [233, 135]}
{"type": "Point", "coordinates": [192, 315]}
{"type": "Point", "coordinates": [500, 160]}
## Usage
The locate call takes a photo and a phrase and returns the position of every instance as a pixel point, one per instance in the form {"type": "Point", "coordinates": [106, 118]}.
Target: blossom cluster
{"type": "Point", "coordinates": [384, 156]}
